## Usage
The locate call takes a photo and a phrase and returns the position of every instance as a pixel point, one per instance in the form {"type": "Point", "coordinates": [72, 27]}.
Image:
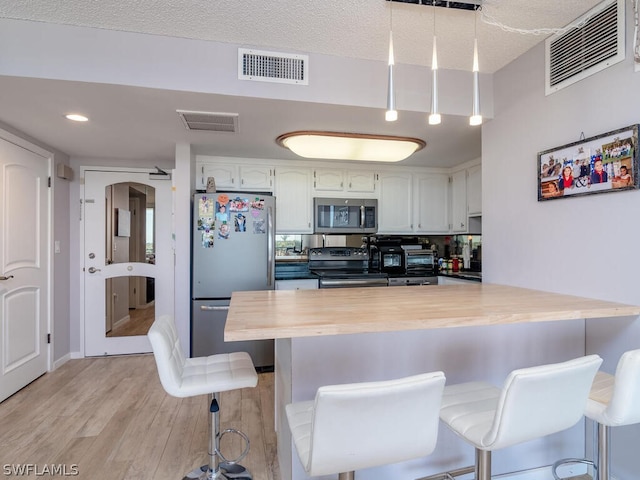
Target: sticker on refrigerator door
{"type": "Point", "coordinates": [205, 207]}
{"type": "Point", "coordinates": [239, 205]}
{"type": "Point", "coordinates": [257, 204]}
{"type": "Point", "coordinates": [240, 222]}
{"type": "Point", "coordinates": [221, 212]}
{"type": "Point", "coordinates": [207, 238]}
{"type": "Point", "coordinates": [205, 223]}
{"type": "Point", "coordinates": [259, 226]}
{"type": "Point", "coordinates": [224, 231]}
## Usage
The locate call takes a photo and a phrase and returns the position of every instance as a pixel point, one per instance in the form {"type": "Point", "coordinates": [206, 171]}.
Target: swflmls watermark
{"type": "Point", "coordinates": [46, 470]}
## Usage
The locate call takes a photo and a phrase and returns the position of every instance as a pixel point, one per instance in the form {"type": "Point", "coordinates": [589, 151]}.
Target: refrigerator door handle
{"type": "Point", "coordinates": [270, 247]}
{"type": "Point", "coordinates": [207, 308]}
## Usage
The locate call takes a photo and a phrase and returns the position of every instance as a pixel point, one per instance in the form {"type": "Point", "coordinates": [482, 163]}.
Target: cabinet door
{"type": "Point", "coordinates": [256, 178]}
{"type": "Point", "coordinates": [474, 190]}
{"type": "Point", "coordinates": [226, 176]}
{"type": "Point", "coordinates": [431, 206]}
{"type": "Point", "coordinates": [364, 182]}
{"type": "Point", "coordinates": [328, 180]}
{"type": "Point", "coordinates": [459, 202]}
{"type": "Point", "coordinates": [395, 203]}
{"type": "Point", "coordinates": [294, 211]}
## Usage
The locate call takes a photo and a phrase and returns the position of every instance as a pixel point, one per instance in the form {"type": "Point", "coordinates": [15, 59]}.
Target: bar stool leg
{"type": "Point", "coordinates": [604, 452]}
{"type": "Point", "coordinates": [346, 476]}
{"type": "Point", "coordinates": [483, 464]}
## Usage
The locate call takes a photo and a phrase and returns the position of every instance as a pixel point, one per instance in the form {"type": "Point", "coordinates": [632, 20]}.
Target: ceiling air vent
{"type": "Point", "coordinates": [273, 67]}
{"type": "Point", "coordinates": [209, 121]}
{"type": "Point", "coordinates": [597, 43]}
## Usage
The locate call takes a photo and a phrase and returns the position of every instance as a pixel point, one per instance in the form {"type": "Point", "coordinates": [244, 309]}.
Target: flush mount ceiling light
{"type": "Point", "coordinates": [350, 146]}
{"type": "Point", "coordinates": [76, 117]}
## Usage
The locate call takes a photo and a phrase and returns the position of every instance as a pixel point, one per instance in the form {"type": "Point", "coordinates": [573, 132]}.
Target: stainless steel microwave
{"type": "Point", "coordinates": [345, 215]}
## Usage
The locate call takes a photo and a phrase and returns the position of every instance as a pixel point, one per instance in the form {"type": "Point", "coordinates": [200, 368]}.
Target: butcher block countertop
{"type": "Point", "coordinates": [272, 314]}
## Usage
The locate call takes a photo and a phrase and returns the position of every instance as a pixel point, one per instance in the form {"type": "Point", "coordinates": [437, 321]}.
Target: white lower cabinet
{"type": "Point", "coordinates": [298, 284]}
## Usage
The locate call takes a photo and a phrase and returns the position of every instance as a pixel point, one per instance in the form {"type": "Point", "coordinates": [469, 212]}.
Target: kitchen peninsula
{"type": "Point", "coordinates": [471, 332]}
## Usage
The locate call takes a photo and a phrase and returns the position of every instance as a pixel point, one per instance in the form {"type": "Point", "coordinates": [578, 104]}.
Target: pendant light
{"type": "Point", "coordinates": [391, 114]}
{"type": "Point", "coordinates": [476, 118]}
{"type": "Point", "coordinates": [434, 117]}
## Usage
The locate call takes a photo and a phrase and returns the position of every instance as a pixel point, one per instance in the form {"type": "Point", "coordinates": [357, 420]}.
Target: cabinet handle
{"type": "Point", "coordinates": [207, 308]}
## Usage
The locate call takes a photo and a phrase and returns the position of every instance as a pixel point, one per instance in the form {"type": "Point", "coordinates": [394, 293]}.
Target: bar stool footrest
{"type": "Point", "coordinates": [229, 471]}
{"type": "Point", "coordinates": [570, 461]}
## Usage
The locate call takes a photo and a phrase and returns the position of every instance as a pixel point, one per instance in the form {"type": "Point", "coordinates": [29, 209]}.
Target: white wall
{"type": "Point", "coordinates": [583, 246]}
{"type": "Point", "coordinates": [155, 61]}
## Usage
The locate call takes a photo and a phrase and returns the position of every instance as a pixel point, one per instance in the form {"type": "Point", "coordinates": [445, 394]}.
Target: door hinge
{"type": "Point", "coordinates": [49, 182]}
{"type": "Point", "coordinates": [48, 338]}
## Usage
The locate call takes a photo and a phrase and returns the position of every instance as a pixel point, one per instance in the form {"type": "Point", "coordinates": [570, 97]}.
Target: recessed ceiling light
{"type": "Point", "coordinates": [76, 117]}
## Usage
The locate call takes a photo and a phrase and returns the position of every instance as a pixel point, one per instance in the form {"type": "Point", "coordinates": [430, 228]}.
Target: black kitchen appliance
{"type": "Point", "coordinates": [340, 267]}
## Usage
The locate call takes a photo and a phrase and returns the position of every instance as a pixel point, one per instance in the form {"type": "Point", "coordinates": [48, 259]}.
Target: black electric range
{"type": "Point", "coordinates": [343, 267]}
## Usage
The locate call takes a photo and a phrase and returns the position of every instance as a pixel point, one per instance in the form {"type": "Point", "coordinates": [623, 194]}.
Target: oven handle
{"type": "Point", "coordinates": [341, 282]}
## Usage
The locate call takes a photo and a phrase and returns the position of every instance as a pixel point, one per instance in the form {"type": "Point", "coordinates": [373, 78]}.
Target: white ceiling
{"type": "Point", "coordinates": [347, 28]}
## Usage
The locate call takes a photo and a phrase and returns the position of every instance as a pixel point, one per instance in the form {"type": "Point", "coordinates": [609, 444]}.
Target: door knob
{"type": "Point", "coordinates": [6, 278]}
{"type": "Point", "coordinates": [93, 270]}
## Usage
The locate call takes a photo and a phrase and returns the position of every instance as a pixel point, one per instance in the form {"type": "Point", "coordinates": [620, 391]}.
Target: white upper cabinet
{"type": "Point", "coordinates": [341, 181]}
{"type": "Point", "coordinates": [459, 202]}
{"type": "Point", "coordinates": [431, 206]}
{"type": "Point", "coordinates": [361, 182]}
{"type": "Point", "coordinates": [256, 178]}
{"type": "Point", "coordinates": [235, 177]}
{"type": "Point", "coordinates": [226, 176]}
{"type": "Point", "coordinates": [474, 191]}
{"type": "Point", "coordinates": [294, 210]}
{"type": "Point", "coordinates": [395, 207]}
{"type": "Point", "coordinates": [328, 180]}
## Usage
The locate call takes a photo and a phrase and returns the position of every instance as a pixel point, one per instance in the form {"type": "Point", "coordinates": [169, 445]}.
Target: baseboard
{"type": "Point", "coordinates": [76, 355]}
{"type": "Point", "coordinates": [61, 361]}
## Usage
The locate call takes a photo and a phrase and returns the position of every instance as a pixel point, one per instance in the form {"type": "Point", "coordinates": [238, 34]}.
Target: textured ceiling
{"type": "Point", "coordinates": [353, 28]}
{"type": "Point", "coordinates": [345, 28]}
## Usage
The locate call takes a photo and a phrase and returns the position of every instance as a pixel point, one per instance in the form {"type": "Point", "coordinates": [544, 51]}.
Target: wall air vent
{"type": "Point", "coordinates": [597, 43]}
{"type": "Point", "coordinates": [273, 67]}
{"type": "Point", "coordinates": [209, 121]}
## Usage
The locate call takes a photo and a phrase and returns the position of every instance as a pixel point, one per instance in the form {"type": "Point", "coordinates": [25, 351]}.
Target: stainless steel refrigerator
{"type": "Point", "coordinates": [233, 239]}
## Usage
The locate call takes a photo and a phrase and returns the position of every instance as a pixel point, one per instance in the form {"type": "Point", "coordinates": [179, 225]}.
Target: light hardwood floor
{"type": "Point", "coordinates": [111, 418]}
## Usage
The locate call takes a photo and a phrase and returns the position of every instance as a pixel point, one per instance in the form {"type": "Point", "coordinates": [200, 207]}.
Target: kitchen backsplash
{"type": "Point", "coordinates": [446, 245]}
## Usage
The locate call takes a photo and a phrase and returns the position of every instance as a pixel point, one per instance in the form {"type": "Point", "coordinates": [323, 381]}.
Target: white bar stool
{"type": "Point", "coordinates": [187, 377]}
{"type": "Point", "coordinates": [362, 425]}
{"type": "Point", "coordinates": [533, 402]}
{"type": "Point", "coordinates": [614, 401]}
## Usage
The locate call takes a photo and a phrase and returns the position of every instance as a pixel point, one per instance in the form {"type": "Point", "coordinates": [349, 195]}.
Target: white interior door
{"type": "Point", "coordinates": [24, 266]}
{"type": "Point", "coordinates": [128, 258]}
